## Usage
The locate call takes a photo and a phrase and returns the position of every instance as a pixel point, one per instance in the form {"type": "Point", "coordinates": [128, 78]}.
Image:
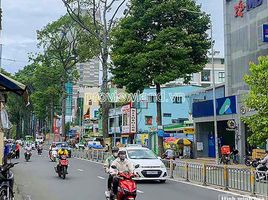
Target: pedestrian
{"type": "Point", "coordinates": [235, 155]}
{"type": "Point", "coordinates": [6, 152]}
{"type": "Point", "coordinates": [17, 150]}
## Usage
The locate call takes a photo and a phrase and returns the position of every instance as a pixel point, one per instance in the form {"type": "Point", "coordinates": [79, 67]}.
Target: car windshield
{"type": "Point", "coordinates": [141, 154]}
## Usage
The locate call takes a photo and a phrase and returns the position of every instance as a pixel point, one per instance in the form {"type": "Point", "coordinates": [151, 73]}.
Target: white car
{"type": "Point", "coordinates": [151, 167]}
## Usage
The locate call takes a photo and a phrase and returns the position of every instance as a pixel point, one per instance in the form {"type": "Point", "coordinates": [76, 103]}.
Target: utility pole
{"type": "Point", "coordinates": [1, 26]}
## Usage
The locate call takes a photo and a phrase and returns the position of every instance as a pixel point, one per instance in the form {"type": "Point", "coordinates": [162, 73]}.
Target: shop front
{"type": "Point", "coordinates": [228, 128]}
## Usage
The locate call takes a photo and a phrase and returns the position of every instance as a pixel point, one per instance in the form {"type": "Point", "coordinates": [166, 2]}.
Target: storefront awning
{"type": "Point", "coordinates": [10, 85]}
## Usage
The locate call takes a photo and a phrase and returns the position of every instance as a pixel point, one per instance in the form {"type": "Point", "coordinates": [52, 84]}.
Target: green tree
{"type": "Point", "coordinates": [257, 99]}
{"type": "Point", "coordinates": [65, 44]}
{"type": "Point", "coordinates": [159, 42]}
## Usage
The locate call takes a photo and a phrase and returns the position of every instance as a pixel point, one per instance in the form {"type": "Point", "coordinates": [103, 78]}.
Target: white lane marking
{"type": "Point", "coordinates": [246, 196]}
{"type": "Point", "coordinates": [29, 197]}
{"type": "Point", "coordinates": [139, 191]}
{"type": "Point", "coordinates": [80, 170]}
{"type": "Point", "coordinates": [100, 177]}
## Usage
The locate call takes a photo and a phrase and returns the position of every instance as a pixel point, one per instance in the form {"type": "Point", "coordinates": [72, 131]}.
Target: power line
{"type": "Point", "coordinates": [13, 60]}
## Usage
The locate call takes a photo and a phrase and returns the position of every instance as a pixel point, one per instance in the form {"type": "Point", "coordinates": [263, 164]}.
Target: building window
{"type": "Point", "coordinates": [89, 102]}
{"type": "Point", "coordinates": [222, 61]}
{"type": "Point", "coordinates": [151, 99]}
{"type": "Point", "coordinates": [148, 120]}
{"type": "Point", "coordinates": [167, 114]}
{"type": "Point", "coordinates": [221, 76]}
{"type": "Point", "coordinates": [177, 99]}
{"type": "Point", "coordinates": [205, 75]}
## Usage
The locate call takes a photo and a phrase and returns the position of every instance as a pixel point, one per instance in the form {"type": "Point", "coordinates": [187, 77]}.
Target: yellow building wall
{"type": "Point", "coordinates": [93, 95]}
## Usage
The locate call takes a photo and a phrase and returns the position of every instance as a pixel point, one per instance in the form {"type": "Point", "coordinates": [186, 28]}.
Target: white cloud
{"type": "Point", "coordinates": [21, 19]}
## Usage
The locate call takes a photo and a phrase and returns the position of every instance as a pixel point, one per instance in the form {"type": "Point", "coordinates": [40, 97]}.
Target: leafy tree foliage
{"type": "Point", "coordinates": [257, 99]}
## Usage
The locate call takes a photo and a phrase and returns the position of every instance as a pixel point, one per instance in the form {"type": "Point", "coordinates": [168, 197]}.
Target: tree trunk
{"type": "Point", "coordinates": [104, 93]}
{"type": "Point", "coordinates": [63, 110]}
{"type": "Point", "coordinates": [52, 117]}
{"type": "Point", "coordinates": [159, 118]}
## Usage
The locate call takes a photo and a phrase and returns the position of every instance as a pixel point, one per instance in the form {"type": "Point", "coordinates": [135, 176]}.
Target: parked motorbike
{"type": "Point", "coordinates": [7, 182]}
{"type": "Point", "coordinates": [62, 167]}
{"type": "Point", "coordinates": [53, 155]}
{"type": "Point", "coordinates": [225, 159]}
{"type": "Point", "coordinates": [261, 172]}
{"type": "Point", "coordinates": [27, 155]}
{"type": "Point", "coordinates": [127, 189]}
{"type": "Point", "coordinates": [250, 162]}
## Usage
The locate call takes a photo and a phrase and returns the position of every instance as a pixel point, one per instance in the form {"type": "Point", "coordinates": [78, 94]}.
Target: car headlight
{"type": "Point", "coordinates": [163, 166]}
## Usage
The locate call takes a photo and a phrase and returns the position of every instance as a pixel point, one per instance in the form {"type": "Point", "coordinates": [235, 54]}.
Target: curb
{"type": "Point", "coordinates": [17, 195]}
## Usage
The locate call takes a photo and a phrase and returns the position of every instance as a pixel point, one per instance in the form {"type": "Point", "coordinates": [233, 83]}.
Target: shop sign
{"type": "Point", "coordinates": [133, 121]}
{"type": "Point", "coordinates": [231, 125]}
{"type": "Point", "coordinates": [241, 6]}
{"type": "Point", "coordinates": [188, 130]}
{"type": "Point", "coordinates": [224, 106]}
{"type": "Point", "coordinates": [265, 32]}
{"type": "Point", "coordinates": [126, 119]}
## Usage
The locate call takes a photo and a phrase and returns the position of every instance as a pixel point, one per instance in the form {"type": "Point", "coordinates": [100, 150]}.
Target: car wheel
{"type": "Point", "coordinates": [162, 181]}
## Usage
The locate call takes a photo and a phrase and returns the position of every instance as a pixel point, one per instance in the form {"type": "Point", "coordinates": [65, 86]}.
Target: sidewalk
{"type": "Point", "coordinates": [211, 161]}
{"type": "Point", "coordinates": [18, 196]}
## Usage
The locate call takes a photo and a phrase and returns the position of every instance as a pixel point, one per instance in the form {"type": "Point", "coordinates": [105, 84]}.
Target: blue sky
{"type": "Point", "coordinates": [23, 17]}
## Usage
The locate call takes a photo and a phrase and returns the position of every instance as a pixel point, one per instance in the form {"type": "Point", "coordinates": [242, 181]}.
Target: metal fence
{"type": "Point", "coordinates": [242, 179]}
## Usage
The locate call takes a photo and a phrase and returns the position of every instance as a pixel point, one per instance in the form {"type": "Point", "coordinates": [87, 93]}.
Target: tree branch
{"type": "Point", "coordinates": [78, 19]}
{"type": "Point", "coordinates": [115, 13]}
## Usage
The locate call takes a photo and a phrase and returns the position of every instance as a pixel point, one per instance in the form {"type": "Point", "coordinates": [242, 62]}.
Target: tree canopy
{"type": "Point", "coordinates": [257, 99]}
{"type": "Point", "coordinates": [159, 42]}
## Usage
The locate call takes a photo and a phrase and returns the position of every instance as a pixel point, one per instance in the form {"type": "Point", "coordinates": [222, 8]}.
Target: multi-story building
{"type": "Point", "coordinates": [89, 73]}
{"type": "Point", "coordinates": [205, 77]}
{"type": "Point", "coordinates": [88, 78]}
{"type": "Point", "coordinates": [244, 21]}
{"type": "Point", "coordinates": [245, 40]}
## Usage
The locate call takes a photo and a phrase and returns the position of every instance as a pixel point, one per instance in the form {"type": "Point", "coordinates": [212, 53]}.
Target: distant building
{"type": "Point", "coordinates": [88, 78]}
{"type": "Point", "coordinates": [89, 73]}
{"type": "Point", "coordinates": [205, 77]}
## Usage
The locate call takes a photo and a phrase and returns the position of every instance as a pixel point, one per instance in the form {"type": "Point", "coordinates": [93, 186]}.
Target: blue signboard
{"type": "Point", "coordinates": [224, 106]}
{"type": "Point", "coordinates": [251, 4]}
{"type": "Point", "coordinates": [265, 32]}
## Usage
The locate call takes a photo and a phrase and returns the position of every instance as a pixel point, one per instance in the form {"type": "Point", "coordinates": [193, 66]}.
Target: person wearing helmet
{"type": "Point", "coordinates": [122, 165]}
{"type": "Point", "coordinates": [52, 146]}
{"type": "Point", "coordinates": [107, 165]}
{"type": "Point", "coordinates": [63, 151]}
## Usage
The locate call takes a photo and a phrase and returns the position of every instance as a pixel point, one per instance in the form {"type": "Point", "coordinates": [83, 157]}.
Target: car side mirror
{"type": "Point", "coordinates": [113, 167]}
{"type": "Point", "coordinates": [137, 166]}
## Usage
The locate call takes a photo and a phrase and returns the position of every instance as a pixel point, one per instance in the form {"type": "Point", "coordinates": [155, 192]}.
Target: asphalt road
{"type": "Point", "coordinates": [37, 180]}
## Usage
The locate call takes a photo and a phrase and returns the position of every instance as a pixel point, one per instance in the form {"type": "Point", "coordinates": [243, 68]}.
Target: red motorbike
{"type": "Point", "coordinates": [127, 189]}
{"type": "Point", "coordinates": [62, 167]}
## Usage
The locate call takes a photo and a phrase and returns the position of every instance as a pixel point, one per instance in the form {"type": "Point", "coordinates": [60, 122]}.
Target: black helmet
{"type": "Point", "coordinates": [115, 149]}
{"type": "Point", "coordinates": [122, 152]}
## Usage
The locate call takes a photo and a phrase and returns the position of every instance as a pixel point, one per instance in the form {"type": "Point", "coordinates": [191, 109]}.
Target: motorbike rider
{"type": "Point", "coordinates": [122, 165]}
{"type": "Point", "coordinates": [62, 152]}
{"type": "Point", "coordinates": [108, 163]}
{"type": "Point", "coordinates": [263, 163]}
{"type": "Point", "coordinates": [28, 147]}
{"type": "Point", "coordinates": [52, 146]}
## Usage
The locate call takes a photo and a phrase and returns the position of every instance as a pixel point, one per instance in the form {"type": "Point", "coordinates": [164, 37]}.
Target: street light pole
{"type": "Point", "coordinates": [1, 26]}
{"type": "Point", "coordinates": [214, 97]}
{"type": "Point", "coordinates": [213, 85]}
